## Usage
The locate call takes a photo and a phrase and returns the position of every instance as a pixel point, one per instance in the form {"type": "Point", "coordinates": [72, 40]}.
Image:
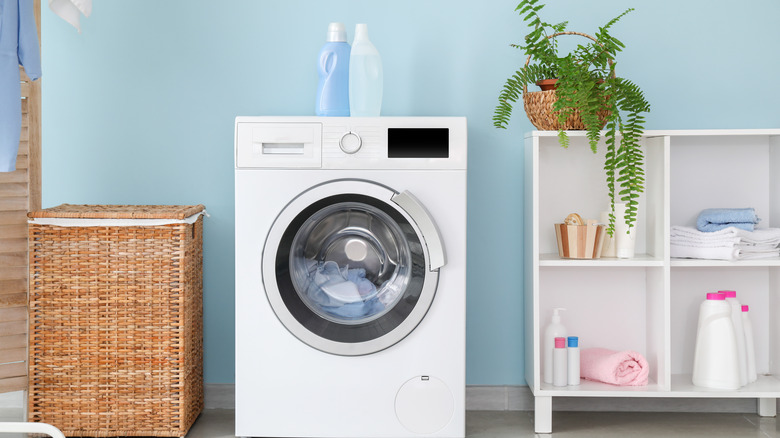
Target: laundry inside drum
{"type": "Point", "coordinates": [350, 263]}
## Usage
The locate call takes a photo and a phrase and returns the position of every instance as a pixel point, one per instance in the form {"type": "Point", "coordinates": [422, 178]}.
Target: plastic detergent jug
{"type": "Point", "coordinates": [333, 70]}
{"type": "Point", "coordinates": [365, 76]}
{"type": "Point", "coordinates": [739, 331]}
{"type": "Point", "coordinates": [750, 348]}
{"type": "Point", "coordinates": [553, 330]}
{"type": "Point", "coordinates": [715, 359]}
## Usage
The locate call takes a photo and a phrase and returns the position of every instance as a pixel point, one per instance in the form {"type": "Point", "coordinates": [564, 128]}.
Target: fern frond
{"type": "Point", "coordinates": [563, 139]}
{"type": "Point", "coordinates": [612, 22]}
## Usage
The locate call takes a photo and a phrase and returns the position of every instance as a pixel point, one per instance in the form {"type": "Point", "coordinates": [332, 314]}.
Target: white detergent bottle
{"type": "Point", "coordinates": [750, 346]}
{"type": "Point", "coordinates": [365, 76]}
{"type": "Point", "coordinates": [739, 331]}
{"type": "Point", "coordinates": [715, 359]}
{"type": "Point", "coordinates": [553, 330]}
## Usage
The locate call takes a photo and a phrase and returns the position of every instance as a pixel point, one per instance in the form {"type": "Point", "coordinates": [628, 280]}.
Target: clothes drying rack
{"type": "Point", "coordinates": [32, 94]}
{"type": "Point", "coordinates": [23, 427]}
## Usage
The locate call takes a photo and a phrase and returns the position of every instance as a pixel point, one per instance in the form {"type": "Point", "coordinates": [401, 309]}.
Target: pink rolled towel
{"type": "Point", "coordinates": [622, 368]}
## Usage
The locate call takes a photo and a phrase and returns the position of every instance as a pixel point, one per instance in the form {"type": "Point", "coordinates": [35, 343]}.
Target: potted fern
{"type": "Point", "coordinates": [588, 95]}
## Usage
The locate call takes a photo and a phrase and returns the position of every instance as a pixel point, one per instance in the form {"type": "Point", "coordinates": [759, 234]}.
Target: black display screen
{"type": "Point", "coordinates": [418, 142]}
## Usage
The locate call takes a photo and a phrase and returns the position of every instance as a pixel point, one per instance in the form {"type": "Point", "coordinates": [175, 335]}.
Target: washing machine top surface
{"type": "Point", "coordinates": [351, 143]}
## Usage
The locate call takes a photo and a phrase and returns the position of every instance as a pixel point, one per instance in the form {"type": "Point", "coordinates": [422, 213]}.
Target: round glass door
{"type": "Point", "coordinates": [350, 262]}
{"type": "Point", "coordinates": [346, 270]}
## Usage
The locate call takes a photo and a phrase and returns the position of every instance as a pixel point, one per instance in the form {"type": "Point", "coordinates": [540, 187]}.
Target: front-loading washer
{"type": "Point", "coordinates": [350, 276]}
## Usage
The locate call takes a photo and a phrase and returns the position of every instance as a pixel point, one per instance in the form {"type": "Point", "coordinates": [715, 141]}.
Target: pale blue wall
{"type": "Point", "coordinates": [139, 108]}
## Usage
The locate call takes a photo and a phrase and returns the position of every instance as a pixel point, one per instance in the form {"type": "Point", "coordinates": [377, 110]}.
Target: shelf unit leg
{"type": "Point", "coordinates": [542, 414]}
{"type": "Point", "coordinates": [767, 407]}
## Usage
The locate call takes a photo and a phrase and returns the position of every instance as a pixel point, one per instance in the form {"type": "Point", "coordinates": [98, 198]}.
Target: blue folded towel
{"type": "Point", "coordinates": [716, 219]}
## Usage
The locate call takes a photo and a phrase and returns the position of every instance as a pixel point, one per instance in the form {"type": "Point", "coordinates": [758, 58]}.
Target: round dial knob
{"type": "Point", "coordinates": [350, 142]}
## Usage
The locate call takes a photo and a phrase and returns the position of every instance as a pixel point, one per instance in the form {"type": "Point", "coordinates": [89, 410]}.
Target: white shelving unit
{"type": "Point", "coordinates": [649, 304]}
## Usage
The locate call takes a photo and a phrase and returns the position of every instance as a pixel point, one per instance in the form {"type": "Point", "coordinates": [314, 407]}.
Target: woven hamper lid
{"type": "Point", "coordinates": [118, 211]}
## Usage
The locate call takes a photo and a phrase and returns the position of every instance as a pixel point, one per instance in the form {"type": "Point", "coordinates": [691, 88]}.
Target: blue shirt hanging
{"type": "Point", "coordinates": [18, 46]}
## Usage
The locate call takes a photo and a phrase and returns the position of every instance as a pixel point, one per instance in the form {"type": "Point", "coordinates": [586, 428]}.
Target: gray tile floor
{"type": "Point", "coordinates": [218, 423]}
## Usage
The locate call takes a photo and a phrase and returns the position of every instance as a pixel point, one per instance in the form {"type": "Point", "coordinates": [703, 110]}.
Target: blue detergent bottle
{"type": "Point", "coordinates": [333, 69]}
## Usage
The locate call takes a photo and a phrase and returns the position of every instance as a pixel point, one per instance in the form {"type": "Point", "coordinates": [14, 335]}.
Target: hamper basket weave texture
{"type": "Point", "coordinates": [116, 322]}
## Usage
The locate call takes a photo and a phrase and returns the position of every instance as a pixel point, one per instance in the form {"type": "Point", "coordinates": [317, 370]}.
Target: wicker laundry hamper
{"type": "Point", "coordinates": [116, 319]}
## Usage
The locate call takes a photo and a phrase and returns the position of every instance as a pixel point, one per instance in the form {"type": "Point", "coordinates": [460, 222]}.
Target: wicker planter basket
{"type": "Point", "coordinates": [116, 346]}
{"type": "Point", "coordinates": [539, 109]}
{"type": "Point", "coordinates": [539, 104]}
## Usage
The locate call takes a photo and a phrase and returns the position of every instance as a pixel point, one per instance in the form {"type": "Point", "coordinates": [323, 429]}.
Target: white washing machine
{"type": "Point", "coordinates": [350, 276]}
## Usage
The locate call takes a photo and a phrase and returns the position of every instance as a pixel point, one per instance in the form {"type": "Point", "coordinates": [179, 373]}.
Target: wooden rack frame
{"type": "Point", "coordinates": [20, 192]}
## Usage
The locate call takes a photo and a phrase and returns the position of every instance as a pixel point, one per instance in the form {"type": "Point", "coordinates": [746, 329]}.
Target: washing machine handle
{"type": "Point", "coordinates": [430, 233]}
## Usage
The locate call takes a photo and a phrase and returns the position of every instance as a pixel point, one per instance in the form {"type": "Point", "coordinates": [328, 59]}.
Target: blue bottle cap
{"type": "Point", "coordinates": [574, 341]}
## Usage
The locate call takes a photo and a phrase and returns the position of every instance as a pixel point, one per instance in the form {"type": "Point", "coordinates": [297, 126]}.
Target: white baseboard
{"type": "Point", "coordinates": [219, 395]}
{"type": "Point", "coordinates": [520, 398]}
{"type": "Point", "coordinates": [507, 398]}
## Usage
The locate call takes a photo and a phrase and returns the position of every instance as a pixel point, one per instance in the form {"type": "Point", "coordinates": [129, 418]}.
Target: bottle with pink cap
{"type": "Point", "coordinates": [560, 363]}
{"type": "Point", "coordinates": [750, 349]}
{"type": "Point", "coordinates": [739, 331]}
{"type": "Point", "coordinates": [715, 358]}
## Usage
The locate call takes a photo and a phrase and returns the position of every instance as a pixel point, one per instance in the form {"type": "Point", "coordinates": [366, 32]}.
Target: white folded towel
{"type": "Point", "coordinates": [716, 253]}
{"type": "Point", "coordinates": [753, 255]}
{"type": "Point", "coordinates": [757, 246]}
{"type": "Point", "coordinates": [770, 236]}
{"type": "Point", "coordinates": [727, 244]}
{"type": "Point", "coordinates": [70, 10]}
{"type": "Point", "coordinates": [692, 234]}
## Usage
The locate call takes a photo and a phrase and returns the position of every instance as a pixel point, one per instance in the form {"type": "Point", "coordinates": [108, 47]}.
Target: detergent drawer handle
{"type": "Point", "coordinates": [430, 232]}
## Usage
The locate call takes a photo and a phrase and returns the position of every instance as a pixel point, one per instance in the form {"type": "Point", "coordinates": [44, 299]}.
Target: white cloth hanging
{"type": "Point", "coordinates": [71, 10]}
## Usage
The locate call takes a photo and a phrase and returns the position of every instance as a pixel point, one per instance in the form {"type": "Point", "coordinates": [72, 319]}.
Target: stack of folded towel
{"type": "Point", "coordinates": [730, 243]}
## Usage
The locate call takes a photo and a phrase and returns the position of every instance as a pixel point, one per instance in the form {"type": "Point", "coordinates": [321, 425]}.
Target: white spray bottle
{"type": "Point", "coordinates": [553, 330]}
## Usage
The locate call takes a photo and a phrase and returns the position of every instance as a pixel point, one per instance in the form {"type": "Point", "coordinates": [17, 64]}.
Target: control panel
{"type": "Point", "coordinates": [351, 143]}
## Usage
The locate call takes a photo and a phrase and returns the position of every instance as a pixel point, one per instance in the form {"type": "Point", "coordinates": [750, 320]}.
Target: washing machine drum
{"type": "Point", "coordinates": [351, 267]}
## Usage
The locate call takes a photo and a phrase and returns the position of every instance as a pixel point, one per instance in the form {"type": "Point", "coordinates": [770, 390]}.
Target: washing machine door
{"type": "Point", "coordinates": [350, 267]}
